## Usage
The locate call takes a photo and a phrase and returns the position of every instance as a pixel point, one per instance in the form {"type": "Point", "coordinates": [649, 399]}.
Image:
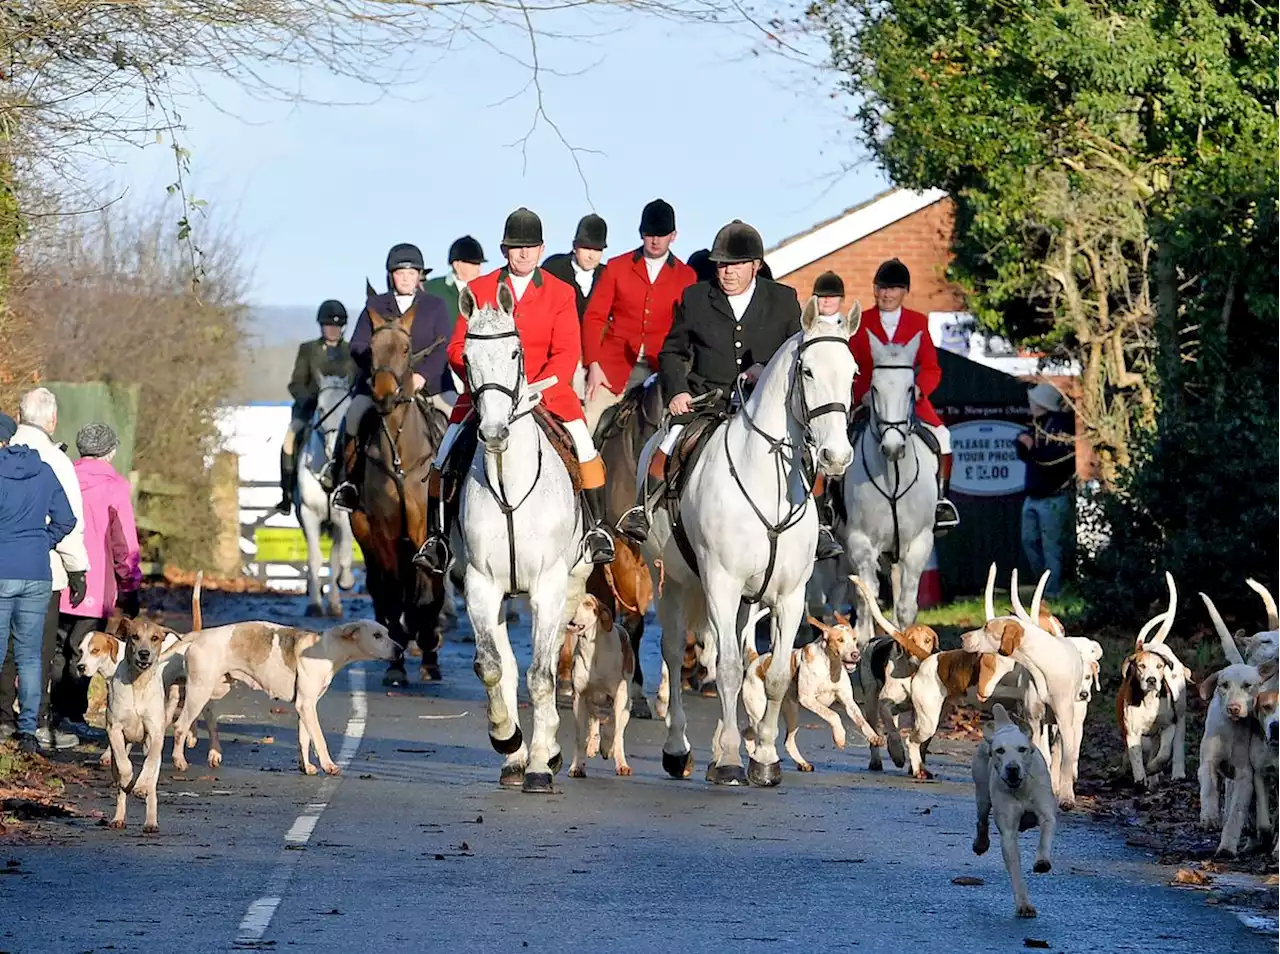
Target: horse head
{"type": "Point", "coordinates": [822, 385]}
{"type": "Point", "coordinates": [893, 394]}
{"type": "Point", "coordinates": [390, 355]}
{"type": "Point", "coordinates": [494, 363]}
{"type": "Point", "coordinates": [332, 397]}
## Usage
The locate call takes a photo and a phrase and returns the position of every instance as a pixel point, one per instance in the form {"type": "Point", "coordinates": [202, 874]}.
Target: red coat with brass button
{"type": "Point", "coordinates": [928, 371]}
{"type": "Point", "coordinates": [626, 313]}
{"type": "Point", "coordinates": [547, 320]}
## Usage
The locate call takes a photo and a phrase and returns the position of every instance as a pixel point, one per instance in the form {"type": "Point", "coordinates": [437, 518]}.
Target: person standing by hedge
{"type": "Point", "coordinates": [1049, 451]}
{"type": "Point", "coordinates": [115, 573]}
{"type": "Point", "coordinates": [35, 516]}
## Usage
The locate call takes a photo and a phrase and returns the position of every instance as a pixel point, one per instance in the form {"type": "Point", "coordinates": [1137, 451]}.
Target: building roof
{"type": "Point", "coordinates": [848, 227]}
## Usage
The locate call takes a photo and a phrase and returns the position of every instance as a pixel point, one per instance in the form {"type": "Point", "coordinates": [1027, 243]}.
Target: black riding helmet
{"type": "Point", "coordinates": [332, 312]}
{"type": "Point", "coordinates": [405, 255]}
{"type": "Point", "coordinates": [737, 242]}
{"type": "Point", "coordinates": [893, 274]}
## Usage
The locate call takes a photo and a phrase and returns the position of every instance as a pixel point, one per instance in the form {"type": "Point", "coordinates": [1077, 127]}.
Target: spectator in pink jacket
{"type": "Point", "coordinates": [115, 574]}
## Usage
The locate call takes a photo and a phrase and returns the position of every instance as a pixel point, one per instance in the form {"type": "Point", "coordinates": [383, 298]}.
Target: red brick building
{"type": "Point", "coordinates": [913, 226]}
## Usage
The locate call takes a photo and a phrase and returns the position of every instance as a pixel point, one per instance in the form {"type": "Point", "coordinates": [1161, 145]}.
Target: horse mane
{"type": "Point", "coordinates": [489, 320]}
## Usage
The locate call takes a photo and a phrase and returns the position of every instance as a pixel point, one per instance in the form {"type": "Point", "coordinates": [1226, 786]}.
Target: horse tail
{"type": "Point", "coordinates": [197, 620]}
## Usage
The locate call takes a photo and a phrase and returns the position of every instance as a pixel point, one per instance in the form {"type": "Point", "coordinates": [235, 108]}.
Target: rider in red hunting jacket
{"type": "Point", "coordinates": [893, 324]}
{"type": "Point", "coordinates": [546, 317]}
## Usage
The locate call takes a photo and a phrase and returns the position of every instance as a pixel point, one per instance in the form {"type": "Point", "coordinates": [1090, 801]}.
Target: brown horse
{"type": "Point", "coordinates": [621, 435]}
{"type": "Point", "coordinates": [398, 439]}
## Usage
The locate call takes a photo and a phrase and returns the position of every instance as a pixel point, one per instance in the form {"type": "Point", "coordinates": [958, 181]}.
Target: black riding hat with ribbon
{"type": "Point", "coordinates": [737, 242]}
{"type": "Point", "coordinates": [405, 255]}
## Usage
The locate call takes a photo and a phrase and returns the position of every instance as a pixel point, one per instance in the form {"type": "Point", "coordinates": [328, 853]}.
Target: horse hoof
{"type": "Point", "coordinates": [537, 783]}
{"type": "Point", "coordinates": [313, 610]}
{"type": "Point", "coordinates": [556, 763]}
{"type": "Point", "coordinates": [395, 677]}
{"type": "Point", "coordinates": [333, 612]}
{"type": "Point", "coordinates": [764, 774]}
{"type": "Point", "coordinates": [728, 775]}
{"type": "Point", "coordinates": [346, 580]}
{"type": "Point", "coordinates": [708, 690]}
{"type": "Point", "coordinates": [507, 746]}
{"type": "Point", "coordinates": [640, 707]}
{"type": "Point", "coordinates": [429, 673]}
{"type": "Point", "coordinates": [678, 766]}
{"type": "Point", "coordinates": [512, 776]}
{"type": "Point", "coordinates": [805, 767]}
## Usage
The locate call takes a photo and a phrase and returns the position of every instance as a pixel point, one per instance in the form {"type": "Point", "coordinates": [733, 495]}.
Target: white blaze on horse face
{"type": "Point", "coordinates": [826, 380]}
{"type": "Point", "coordinates": [893, 393]}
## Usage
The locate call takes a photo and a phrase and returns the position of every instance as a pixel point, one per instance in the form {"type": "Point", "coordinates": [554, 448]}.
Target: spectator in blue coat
{"type": "Point", "coordinates": [34, 517]}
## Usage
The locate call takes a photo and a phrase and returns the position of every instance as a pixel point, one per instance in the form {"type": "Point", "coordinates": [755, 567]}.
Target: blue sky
{"type": "Point", "coordinates": [315, 194]}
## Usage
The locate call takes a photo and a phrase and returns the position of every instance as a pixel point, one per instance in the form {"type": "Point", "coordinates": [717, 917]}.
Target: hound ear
{"type": "Point", "coordinates": [114, 649]}
{"type": "Point", "coordinates": [842, 620]}
{"type": "Point", "coordinates": [1125, 667]}
{"type": "Point", "coordinates": [814, 621]}
{"type": "Point", "coordinates": [603, 616]}
{"type": "Point", "coordinates": [1001, 715]}
{"type": "Point", "coordinates": [1010, 636]}
{"type": "Point", "coordinates": [1095, 671]}
{"type": "Point", "coordinates": [467, 303]}
{"type": "Point", "coordinates": [506, 300]}
{"type": "Point", "coordinates": [1268, 669]}
{"type": "Point", "coordinates": [1209, 686]}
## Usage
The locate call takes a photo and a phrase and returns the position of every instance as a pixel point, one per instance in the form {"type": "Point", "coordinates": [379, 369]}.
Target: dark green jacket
{"type": "Point", "coordinates": [446, 290]}
{"type": "Point", "coordinates": [315, 360]}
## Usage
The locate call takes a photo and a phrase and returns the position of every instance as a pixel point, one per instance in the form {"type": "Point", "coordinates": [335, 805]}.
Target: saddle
{"type": "Point", "coordinates": [645, 400]}
{"type": "Point", "coordinates": [689, 447]}
{"type": "Point", "coordinates": [464, 449]}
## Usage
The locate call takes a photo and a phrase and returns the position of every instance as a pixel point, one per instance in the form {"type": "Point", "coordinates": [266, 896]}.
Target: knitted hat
{"type": "Point", "coordinates": [96, 440]}
{"type": "Point", "coordinates": [7, 428]}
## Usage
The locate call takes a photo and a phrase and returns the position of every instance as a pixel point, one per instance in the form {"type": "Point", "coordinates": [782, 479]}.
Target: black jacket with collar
{"type": "Point", "coordinates": [708, 348]}
{"type": "Point", "coordinates": [561, 266]}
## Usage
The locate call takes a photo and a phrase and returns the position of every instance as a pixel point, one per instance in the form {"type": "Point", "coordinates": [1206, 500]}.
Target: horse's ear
{"type": "Point", "coordinates": [466, 303]}
{"type": "Point", "coordinates": [877, 350]}
{"type": "Point", "coordinates": [809, 317]}
{"type": "Point", "coordinates": [506, 300]}
{"type": "Point", "coordinates": [375, 319]}
{"type": "Point", "coordinates": [368, 290]}
{"type": "Point", "coordinates": [406, 320]}
{"type": "Point", "coordinates": [912, 348]}
{"type": "Point", "coordinates": [853, 320]}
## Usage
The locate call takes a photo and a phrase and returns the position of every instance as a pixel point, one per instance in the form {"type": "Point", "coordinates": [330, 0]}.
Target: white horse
{"type": "Point", "coordinates": [520, 528]}
{"type": "Point", "coordinates": [891, 491]}
{"type": "Point", "coordinates": [312, 506]}
{"type": "Point", "coordinates": [747, 512]}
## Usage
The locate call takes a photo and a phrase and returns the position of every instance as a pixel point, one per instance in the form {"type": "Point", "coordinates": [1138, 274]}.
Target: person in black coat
{"type": "Point", "coordinates": [724, 330]}
{"type": "Point", "coordinates": [432, 325]}
{"type": "Point", "coordinates": [581, 268]}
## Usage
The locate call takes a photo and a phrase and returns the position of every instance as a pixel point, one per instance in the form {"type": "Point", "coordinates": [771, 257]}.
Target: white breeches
{"type": "Point", "coordinates": [582, 442]}
{"type": "Point", "coordinates": [942, 434]}
{"type": "Point", "coordinates": [669, 441]}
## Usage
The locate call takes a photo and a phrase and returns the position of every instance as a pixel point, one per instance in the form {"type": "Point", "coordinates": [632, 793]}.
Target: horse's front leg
{"type": "Point", "coordinates": [311, 533]}
{"type": "Point", "coordinates": [495, 664]}
{"type": "Point", "coordinates": [343, 540]}
{"type": "Point", "coordinates": [766, 768]}
{"type": "Point", "coordinates": [906, 600]}
{"type": "Point", "coordinates": [677, 755]}
{"type": "Point", "coordinates": [863, 559]}
{"type": "Point", "coordinates": [547, 604]}
{"type": "Point", "coordinates": [723, 597]}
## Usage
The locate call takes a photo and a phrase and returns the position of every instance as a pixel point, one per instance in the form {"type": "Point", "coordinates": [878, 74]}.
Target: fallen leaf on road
{"type": "Point", "coordinates": [269, 740]}
{"type": "Point", "coordinates": [1189, 876]}
{"type": "Point", "coordinates": [1272, 881]}
{"type": "Point", "coordinates": [968, 881]}
{"type": "Point", "coordinates": [278, 710]}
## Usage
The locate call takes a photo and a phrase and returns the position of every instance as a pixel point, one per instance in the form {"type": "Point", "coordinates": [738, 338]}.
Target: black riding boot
{"type": "Point", "coordinates": [634, 524]}
{"type": "Point", "coordinates": [434, 555]}
{"type": "Point", "coordinates": [828, 547]}
{"type": "Point", "coordinates": [597, 542]}
{"type": "Point", "coordinates": [288, 480]}
{"type": "Point", "coordinates": [945, 516]}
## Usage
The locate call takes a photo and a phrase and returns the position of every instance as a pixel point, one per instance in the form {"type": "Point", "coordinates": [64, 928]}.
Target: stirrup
{"type": "Point", "coordinates": [828, 547]}
{"type": "Point", "coordinates": [434, 555]}
{"type": "Point", "coordinates": [945, 516]}
{"type": "Point", "coordinates": [345, 497]}
{"type": "Point", "coordinates": [634, 524]}
{"type": "Point", "coordinates": [598, 545]}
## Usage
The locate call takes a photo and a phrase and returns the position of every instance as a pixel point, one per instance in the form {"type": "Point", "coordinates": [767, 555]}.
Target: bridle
{"type": "Point", "coordinates": [881, 425]}
{"type": "Point", "coordinates": [799, 410]}
{"type": "Point", "coordinates": [513, 392]}
{"type": "Point", "coordinates": [399, 395]}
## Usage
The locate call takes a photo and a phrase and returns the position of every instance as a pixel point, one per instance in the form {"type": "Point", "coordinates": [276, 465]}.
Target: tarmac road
{"type": "Point", "coordinates": [416, 848]}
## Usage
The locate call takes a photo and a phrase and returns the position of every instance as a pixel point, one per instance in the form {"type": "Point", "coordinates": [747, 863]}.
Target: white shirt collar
{"type": "Point", "coordinates": [890, 319]}
{"type": "Point", "coordinates": [519, 283]}
{"type": "Point", "coordinates": [740, 302]}
{"type": "Point", "coordinates": [654, 266]}
{"type": "Point", "coordinates": [404, 301]}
